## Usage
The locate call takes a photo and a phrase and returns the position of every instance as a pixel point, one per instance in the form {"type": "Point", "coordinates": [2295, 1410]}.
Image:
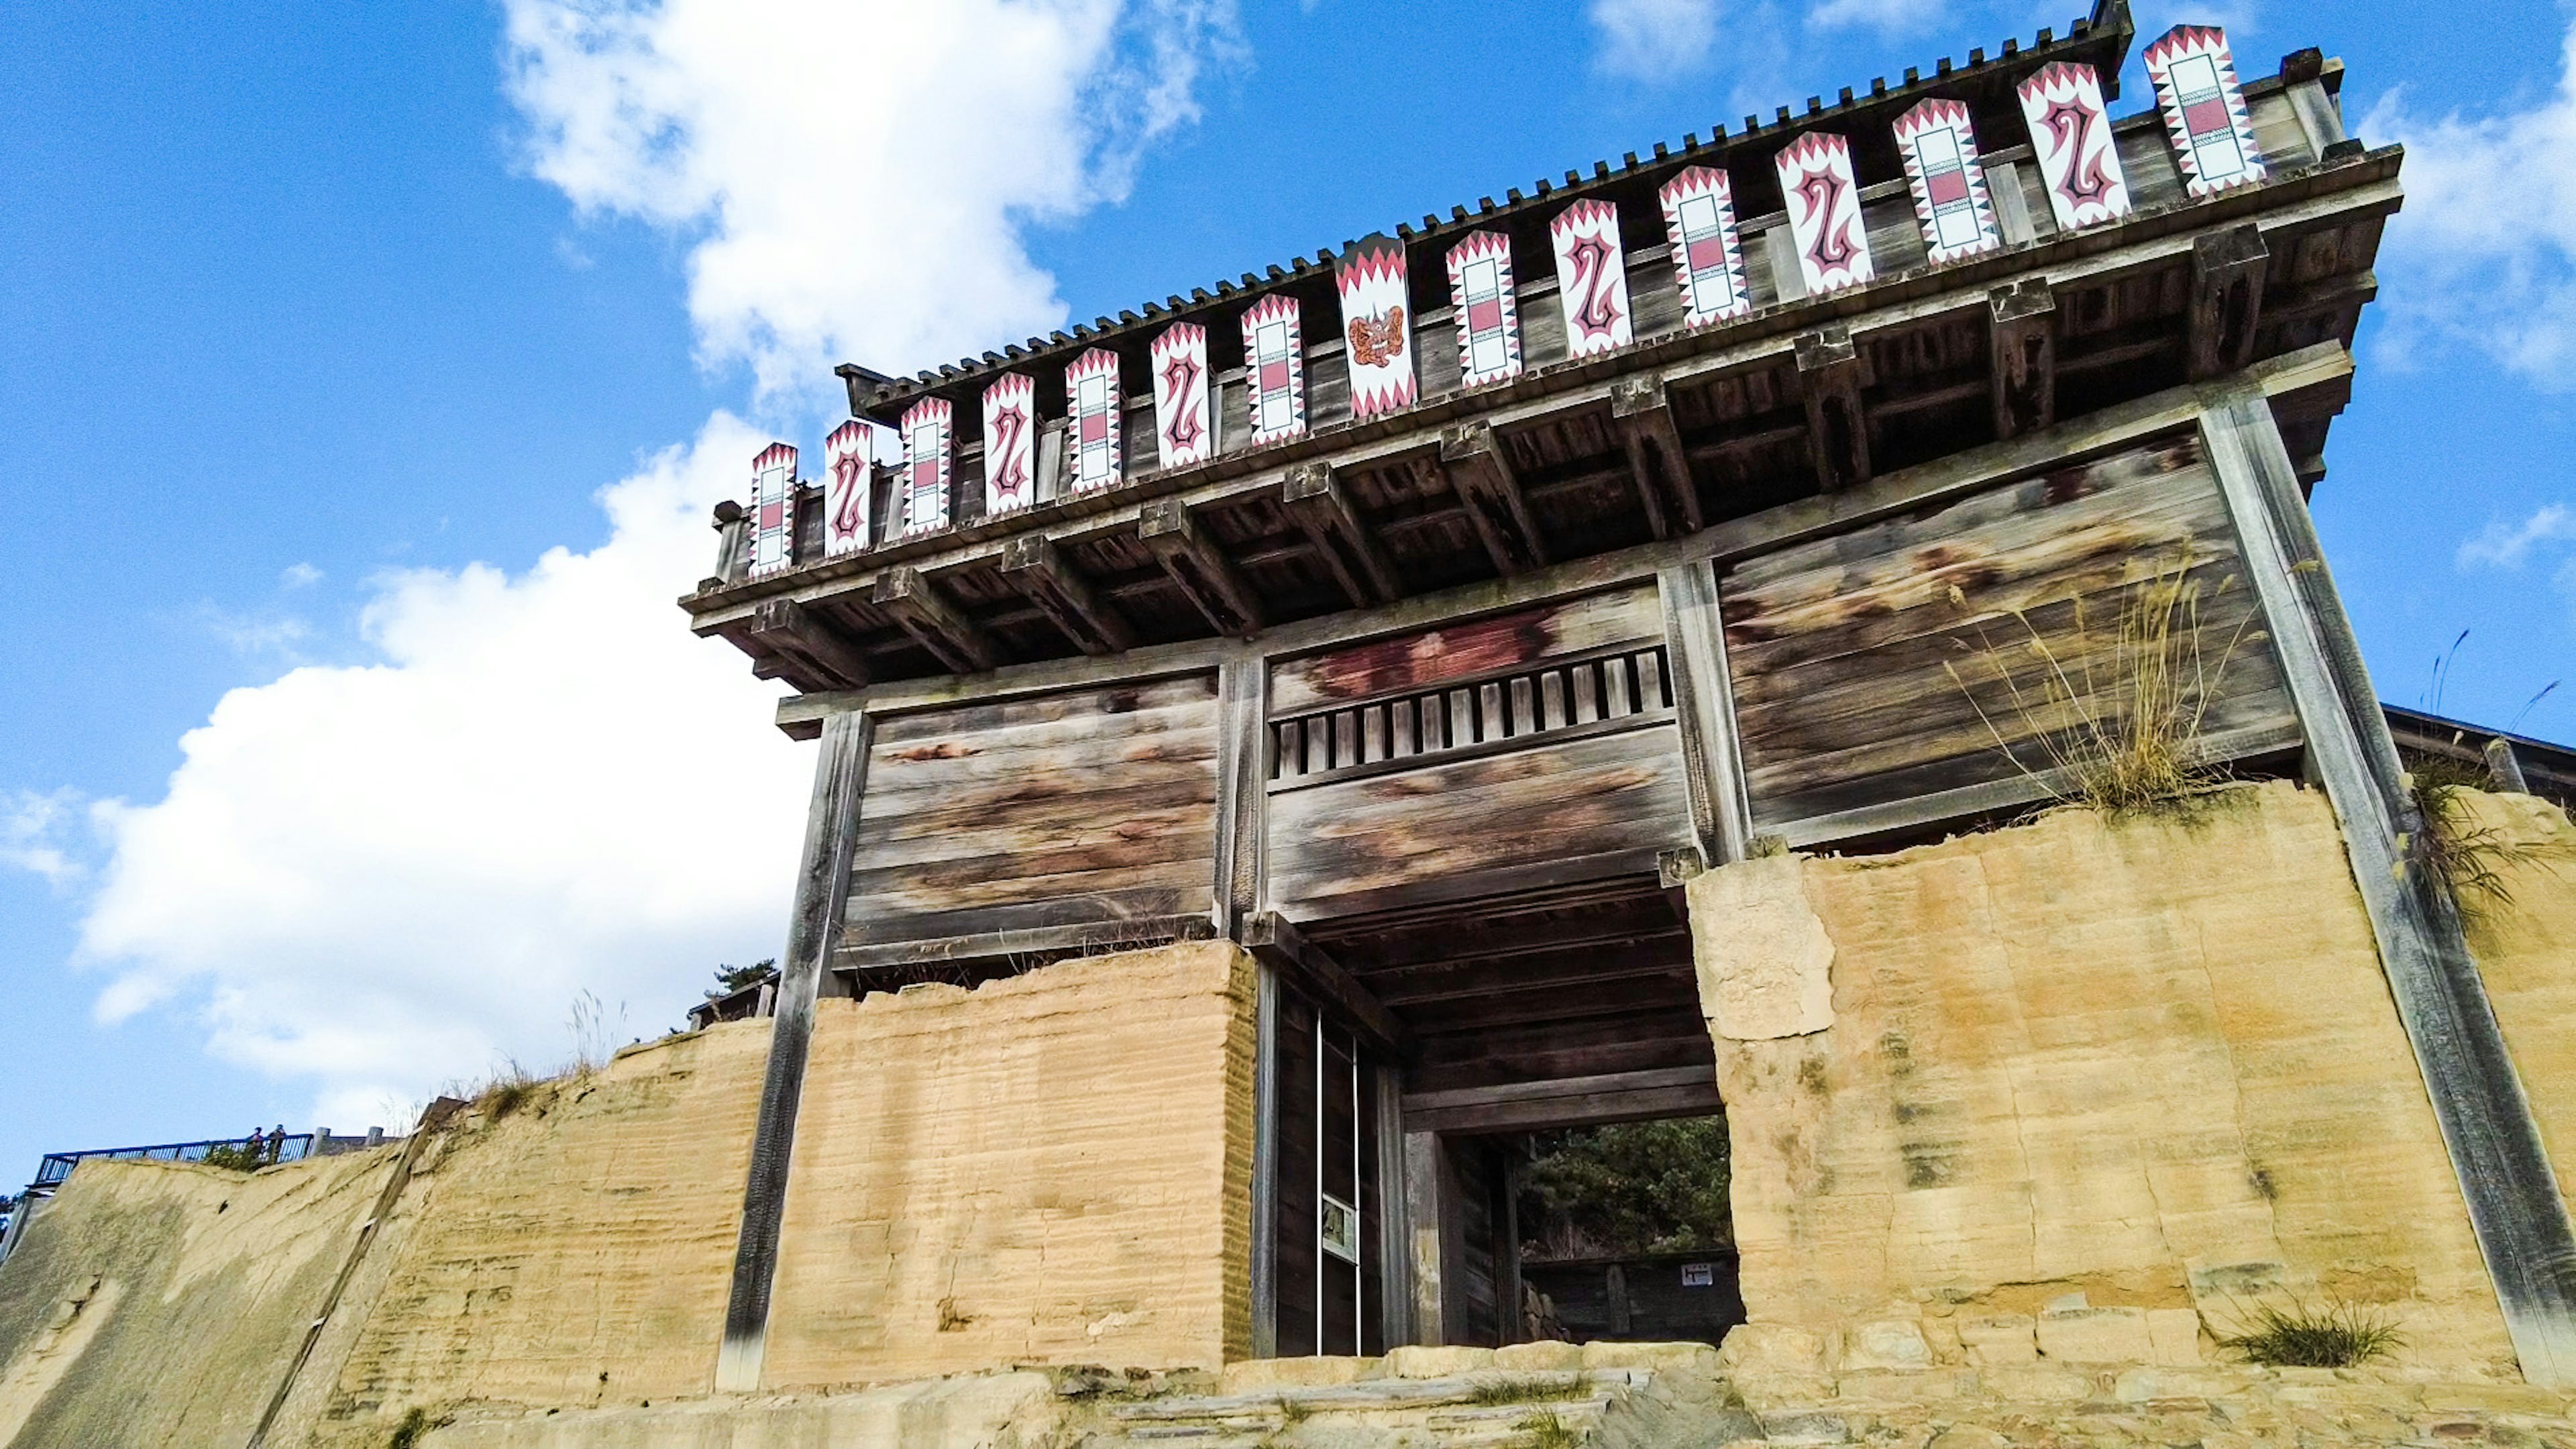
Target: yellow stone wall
{"type": "Point", "coordinates": [2525, 946]}
{"type": "Point", "coordinates": [2151, 1062]}
{"type": "Point", "coordinates": [575, 1251]}
{"type": "Point", "coordinates": [1054, 1168]}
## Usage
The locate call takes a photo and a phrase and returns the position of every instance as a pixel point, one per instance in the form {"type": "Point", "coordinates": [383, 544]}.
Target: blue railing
{"type": "Point", "coordinates": [267, 1146]}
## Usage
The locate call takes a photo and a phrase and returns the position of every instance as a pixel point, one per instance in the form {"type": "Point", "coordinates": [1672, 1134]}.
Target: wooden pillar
{"type": "Point", "coordinates": [732, 532]}
{"type": "Point", "coordinates": [822, 893]}
{"type": "Point", "coordinates": [2495, 1148]}
{"type": "Point", "coordinates": [2504, 767]}
{"type": "Point", "coordinates": [1704, 706]}
{"type": "Point", "coordinates": [1426, 1204]}
{"type": "Point", "coordinates": [1265, 1166]}
{"type": "Point", "coordinates": [1242, 791]}
{"type": "Point", "coordinates": [2023, 357]}
{"type": "Point", "coordinates": [1395, 1241]}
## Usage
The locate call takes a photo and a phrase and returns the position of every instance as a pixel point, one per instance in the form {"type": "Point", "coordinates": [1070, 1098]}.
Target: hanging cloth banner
{"type": "Point", "coordinates": [1184, 424]}
{"type": "Point", "coordinates": [773, 510]}
{"type": "Point", "coordinates": [1949, 181]}
{"type": "Point", "coordinates": [845, 489]}
{"type": "Point", "coordinates": [1824, 213]}
{"type": "Point", "coordinates": [1274, 369]}
{"type": "Point", "coordinates": [1699, 215]}
{"type": "Point", "coordinates": [1091, 447]}
{"type": "Point", "coordinates": [1592, 278]}
{"type": "Point", "coordinates": [1488, 311]}
{"type": "Point", "coordinates": [2071, 135]}
{"type": "Point", "coordinates": [927, 427]}
{"type": "Point", "coordinates": [1377, 326]}
{"type": "Point", "coordinates": [1010, 443]}
{"type": "Point", "coordinates": [2196, 86]}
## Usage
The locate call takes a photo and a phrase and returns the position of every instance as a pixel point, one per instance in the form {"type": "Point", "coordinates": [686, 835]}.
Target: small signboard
{"type": "Point", "coordinates": [1699, 1275]}
{"type": "Point", "coordinates": [1341, 1229]}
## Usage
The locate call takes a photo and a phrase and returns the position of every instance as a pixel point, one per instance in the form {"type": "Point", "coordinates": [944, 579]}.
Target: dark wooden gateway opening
{"type": "Point", "coordinates": [1396, 1166]}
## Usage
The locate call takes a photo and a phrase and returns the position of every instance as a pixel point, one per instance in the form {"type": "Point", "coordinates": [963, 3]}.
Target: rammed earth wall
{"type": "Point", "coordinates": [2152, 1063]}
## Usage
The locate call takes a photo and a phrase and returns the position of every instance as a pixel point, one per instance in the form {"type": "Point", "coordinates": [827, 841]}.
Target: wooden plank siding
{"type": "Point", "coordinates": [1094, 805]}
{"type": "Point", "coordinates": [1901, 659]}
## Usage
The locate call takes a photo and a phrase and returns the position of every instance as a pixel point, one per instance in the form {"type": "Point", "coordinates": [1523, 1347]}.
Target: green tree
{"type": "Point", "coordinates": [1627, 1189]}
{"type": "Point", "coordinates": [730, 979]}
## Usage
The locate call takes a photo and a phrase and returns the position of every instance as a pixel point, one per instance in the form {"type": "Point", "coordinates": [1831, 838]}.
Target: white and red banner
{"type": "Point", "coordinates": [846, 455]}
{"type": "Point", "coordinates": [1184, 412]}
{"type": "Point", "coordinates": [1824, 213]}
{"type": "Point", "coordinates": [773, 510]}
{"type": "Point", "coordinates": [1488, 310]}
{"type": "Point", "coordinates": [928, 426]}
{"type": "Point", "coordinates": [2070, 133]}
{"type": "Point", "coordinates": [1949, 181]}
{"type": "Point", "coordinates": [1274, 369]}
{"type": "Point", "coordinates": [1592, 278]}
{"type": "Point", "coordinates": [1010, 443]}
{"type": "Point", "coordinates": [1091, 433]}
{"type": "Point", "coordinates": [2196, 86]}
{"type": "Point", "coordinates": [1377, 327]}
{"type": "Point", "coordinates": [1699, 216]}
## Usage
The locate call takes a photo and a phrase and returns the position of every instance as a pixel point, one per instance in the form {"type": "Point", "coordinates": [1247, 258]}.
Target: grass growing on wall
{"type": "Point", "coordinates": [2336, 1335]}
{"type": "Point", "coordinates": [2123, 729]}
{"type": "Point", "coordinates": [2465, 863]}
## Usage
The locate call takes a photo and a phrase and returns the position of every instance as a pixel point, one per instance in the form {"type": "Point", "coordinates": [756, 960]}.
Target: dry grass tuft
{"type": "Point", "coordinates": [1496, 1392]}
{"type": "Point", "coordinates": [2122, 729]}
{"type": "Point", "coordinates": [2337, 1335]}
{"type": "Point", "coordinates": [2459, 860]}
{"type": "Point", "coordinates": [1547, 1431]}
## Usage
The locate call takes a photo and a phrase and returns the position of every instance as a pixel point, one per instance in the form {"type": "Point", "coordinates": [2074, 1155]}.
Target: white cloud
{"type": "Point", "coordinates": [854, 176]}
{"type": "Point", "coordinates": [1654, 40]}
{"type": "Point", "coordinates": [2509, 545]}
{"type": "Point", "coordinates": [299, 576]}
{"type": "Point", "coordinates": [2485, 251]}
{"type": "Point", "coordinates": [383, 875]}
{"type": "Point", "coordinates": [31, 827]}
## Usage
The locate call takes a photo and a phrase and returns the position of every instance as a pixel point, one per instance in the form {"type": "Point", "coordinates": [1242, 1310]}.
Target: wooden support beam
{"type": "Point", "coordinates": [1704, 708]}
{"type": "Point", "coordinates": [1832, 370]}
{"type": "Point", "coordinates": [1488, 487]}
{"type": "Point", "coordinates": [787, 629]}
{"type": "Point", "coordinates": [1265, 1164]}
{"type": "Point", "coordinates": [1426, 1202]}
{"type": "Point", "coordinates": [1565, 1102]}
{"type": "Point", "coordinates": [2504, 767]}
{"type": "Point", "coordinates": [1313, 495]}
{"type": "Point", "coordinates": [732, 532]}
{"type": "Point", "coordinates": [1042, 574]}
{"type": "Point", "coordinates": [822, 893]}
{"type": "Point", "coordinates": [1656, 459]}
{"type": "Point", "coordinates": [2496, 1152]}
{"type": "Point", "coordinates": [1273, 938]}
{"type": "Point", "coordinates": [2227, 270]}
{"type": "Point", "coordinates": [1242, 793]}
{"type": "Point", "coordinates": [1198, 568]}
{"type": "Point", "coordinates": [916, 604]}
{"type": "Point", "coordinates": [2022, 353]}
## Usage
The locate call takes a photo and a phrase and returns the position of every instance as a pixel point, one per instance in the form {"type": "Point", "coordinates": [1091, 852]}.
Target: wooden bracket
{"type": "Point", "coordinates": [917, 605]}
{"type": "Point", "coordinates": [2023, 356]}
{"type": "Point", "coordinates": [1039, 570]}
{"type": "Point", "coordinates": [733, 532]}
{"type": "Point", "coordinates": [1655, 458]}
{"type": "Point", "coordinates": [1277, 941]}
{"type": "Point", "coordinates": [1314, 497]}
{"type": "Point", "coordinates": [1832, 370]}
{"type": "Point", "coordinates": [2227, 270]}
{"type": "Point", "coordinates": [1198, 568]}
{"type": "Point", "coordinates": [1488, 487]}
{"type": "Point", "coordinates": [797, 635]}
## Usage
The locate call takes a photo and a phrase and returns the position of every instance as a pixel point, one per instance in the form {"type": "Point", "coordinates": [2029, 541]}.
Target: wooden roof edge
{"type": "Point", "coordinates": [2101, 38]}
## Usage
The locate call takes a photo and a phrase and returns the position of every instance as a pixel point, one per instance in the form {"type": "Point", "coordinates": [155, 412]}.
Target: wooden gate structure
{"type": "Point", "coordinates": [1687, 505]}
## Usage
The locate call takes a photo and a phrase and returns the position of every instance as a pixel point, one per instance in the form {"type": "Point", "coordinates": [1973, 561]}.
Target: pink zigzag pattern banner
{"type": "Point", "coordinates": [928, 425]}
{"type": "Point", "coordinates": [2204, 109]}
{"type": "Point", "coordinates": [1824, 213]}
{"type": "Point", "coordinates": [1377, 327]}
{"type": "Point", "coordinates": [1488, 310]}
{"type": "Point", "coordinates": [1274, 367]}
{"type": "Point", "coordinates": [1699, 216]}
{"type": "Point", "coordinates": [773, 510]}
{"type": "Point", "coordinates": [1184, 423]}
{"type": "Point", "coordinates": [845, 489]}
{"type": "Point", "coordinates": [1949, 181]}
{"type": "Point", "coordinates": [1592, 279]}
{"type": "Point", "coordinates": [1091, 435]}
{"type": "Point", "coordinates": [2070, 133]}
{"type": "Point", "coordinates": [1010, 443]}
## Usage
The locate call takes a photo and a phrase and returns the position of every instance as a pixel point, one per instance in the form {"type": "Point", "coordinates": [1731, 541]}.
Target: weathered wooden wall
{"type": "Point", "coordinates": [1493, 755]}
{"type": "Point", "coordinates": [1877, 671]}
{"type": "Point", "coordinates": [1089, 806]}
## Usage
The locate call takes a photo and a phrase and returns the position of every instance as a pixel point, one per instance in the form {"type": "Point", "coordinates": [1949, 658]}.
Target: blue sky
{"type": "Point", "coordinates": [365, 372]}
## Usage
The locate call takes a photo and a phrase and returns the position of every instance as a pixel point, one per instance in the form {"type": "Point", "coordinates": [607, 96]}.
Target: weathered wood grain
{"type": "Point", "coordinates": [1447, 824]}
{"type": "Point", "coordinates": [1905, 658]}
{"type": "Point", "coordinates": [1464, 650]}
